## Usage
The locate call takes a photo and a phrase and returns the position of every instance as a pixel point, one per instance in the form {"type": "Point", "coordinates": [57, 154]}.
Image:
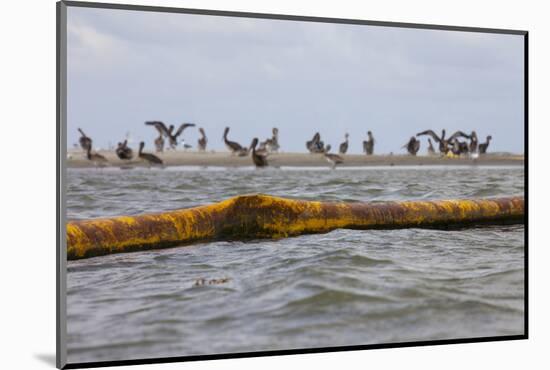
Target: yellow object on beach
{"type": "Point", "coordinates": [264, 216]}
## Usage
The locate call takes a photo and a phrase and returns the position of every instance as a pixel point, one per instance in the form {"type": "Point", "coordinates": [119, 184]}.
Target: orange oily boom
{"type": "Point", "coordinates": [263, 216]}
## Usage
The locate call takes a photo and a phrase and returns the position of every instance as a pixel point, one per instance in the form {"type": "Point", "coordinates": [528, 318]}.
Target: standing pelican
{"type": "Point", "coordinates": [233, 146]}
{"type": "Point", "coordinates": [455, 146]}
{"type": "Point", "coordinates": [483, 146]}
{"type": "Point", "coordinates": [163, 131]}
{"type": "Point", "coordinates": [311, 144]}
{"type": "Point", "coordinates": [148, 157]}
{"type": "Point", "coordinates": [123, 152]}
{"type": "Point", "coordinates": [203, 140]}
{"type": "Point", "coordinates": [334, 159]}
{"type": "Point", "coordinates": [368, 145]}
{"type": "Point", "coordinates": [431, 150]}
{"type": "Point", "coordinates": [413, 146]}
{"type": "Point", "coordinates": [463, 147]}
{"type": "Point", "coordinates": [97, 158]}
{"type": "Point", "coordinates": [344, 146]}
{"type": "Point", "coordinates": [85, 141]}
{"type": "Point", "coordinates": [315, 145]}
{"type": "Point", "coordinates": [473, 142]}
{"type": "Point", "coordinates": [159, 144]}
{"type": "Point", "coordinates": [271, 144]}
{"type": "Point", "coordinates": [260, 160]}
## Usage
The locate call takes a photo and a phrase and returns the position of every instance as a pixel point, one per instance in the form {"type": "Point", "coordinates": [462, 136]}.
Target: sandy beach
{"type": "Point", "coordinates": [77, 159]}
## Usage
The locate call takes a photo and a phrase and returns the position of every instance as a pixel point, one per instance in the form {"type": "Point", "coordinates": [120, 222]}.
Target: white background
{"type": "Point", "coordinates": [27, 147]}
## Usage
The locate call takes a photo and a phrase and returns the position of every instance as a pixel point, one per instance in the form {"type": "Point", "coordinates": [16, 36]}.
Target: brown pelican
{"type": "Point", "coordinates": [163, 131]}
{"type": "Point", "coordinates": [168, 132]}
{"type": "Point", "coordinates": [85, 141]}
{"type": "Point", "coordinates": [203, 140]}
{"type": "Point", "coordinates": [260, 160]}
{"type": "Point", "coordinates": [310, 145]}
{"type": "Point", "coordinates": [443, 144]}
{"type": "Point", "coordinates": [123, 152]}
{"type": "Point", "coordinates": [150, 158]}
{"type": "Point", "coordinates": [459, 147]}
{"type": "Point", "coordinates": [473, 142]}
{"type": "Point", "coordinates": [159, 144]}
{"type": "Point", "coordinates": [344, 145]}
{"type": "Point", "coordinates": [334, 159]}
{"type": "Point", "coordinates": [315, 145]}
{"type": "Point", "coordinates": [463, 147]}
{"type": "Point", "coordinates": [413, 146]}
{"type": "Point", "coordinates": [271, 144]}
{"type": "Point", "coordinates": [97, 158]}
{"type": "Point", "coordinates": [368, 145]}
{"type": "Point", "coordinates": [455, 146]}
{"type": "Point", "coordinates": [431, 150]}
{"type": "Point", "coordinates": [234, 147]}
{"type": "Point", "coordinates": [483, 146]}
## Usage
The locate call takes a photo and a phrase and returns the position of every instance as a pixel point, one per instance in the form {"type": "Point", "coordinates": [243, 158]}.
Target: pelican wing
{"type": "Point", "coordinates": [160, 126]}
{"type": "Point", "coordinates": [182, 127]}
{"type": "Point", "coordinates": [458, 134]}
{"type": "Point", "coordinates": [431, 133]}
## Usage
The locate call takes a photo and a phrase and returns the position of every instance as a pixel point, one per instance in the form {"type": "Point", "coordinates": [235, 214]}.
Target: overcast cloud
{"type": "Point", "coordinates": [126, 67]}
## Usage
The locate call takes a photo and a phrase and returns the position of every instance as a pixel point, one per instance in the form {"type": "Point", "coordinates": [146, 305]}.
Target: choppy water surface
{"type": "Point", "coordinates": [346, 287]}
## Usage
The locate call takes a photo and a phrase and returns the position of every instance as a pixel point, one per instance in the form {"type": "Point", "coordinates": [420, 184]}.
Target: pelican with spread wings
{"type": "Point", "coordinates": [169, 132]}
{"type": "Point", "coordinates": [445, 144]}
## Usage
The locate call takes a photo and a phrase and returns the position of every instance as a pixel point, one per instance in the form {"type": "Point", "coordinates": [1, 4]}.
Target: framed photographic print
{"type": "Point", "coordinates": [238, 184]}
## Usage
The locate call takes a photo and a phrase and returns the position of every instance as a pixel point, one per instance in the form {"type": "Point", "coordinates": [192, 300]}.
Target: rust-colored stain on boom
{"type": "Point", "coordinates": [263, 216]}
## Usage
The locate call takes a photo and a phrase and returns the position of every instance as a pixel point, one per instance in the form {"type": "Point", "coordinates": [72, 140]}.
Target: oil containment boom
{"type": "Point", "coordinates": [264, 216]}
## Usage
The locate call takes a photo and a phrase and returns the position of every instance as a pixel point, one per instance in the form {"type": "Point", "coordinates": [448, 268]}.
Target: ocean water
{"type": "Point", "coordinates": [346, 287]}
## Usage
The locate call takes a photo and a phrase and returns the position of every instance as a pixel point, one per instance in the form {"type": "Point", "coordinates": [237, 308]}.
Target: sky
{"type": "Point", "coordinates": [128, 67]}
